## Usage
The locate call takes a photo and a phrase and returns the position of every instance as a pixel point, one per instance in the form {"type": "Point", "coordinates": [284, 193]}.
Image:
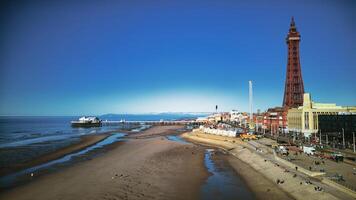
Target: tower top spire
{"type": "Point", "coordinates": [292, 23]}
{"type": "Point", "coordinates": [292, 28]}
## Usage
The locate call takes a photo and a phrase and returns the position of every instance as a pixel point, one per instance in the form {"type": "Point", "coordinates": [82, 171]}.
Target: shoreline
{"type": "Point", "coordinates": [225, 182]}
{"type": "Point", "coordinates": [254, 180]}
{"type": "Point", "coordinates": [265, 167]}
{"type": "Point", "coordinates": [148, 168]}
{"type": "Point", "coordinates": [84, 142]}
{"type": "Point", "coordinates": [151, 132]}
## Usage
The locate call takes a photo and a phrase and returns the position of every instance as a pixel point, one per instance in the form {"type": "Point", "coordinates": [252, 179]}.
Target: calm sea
{"type": "Point", "coordinates": [25, 138]}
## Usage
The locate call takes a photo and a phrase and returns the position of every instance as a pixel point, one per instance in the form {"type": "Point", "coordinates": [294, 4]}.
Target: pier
{"type": "Point", "coordinates": [162, 123]}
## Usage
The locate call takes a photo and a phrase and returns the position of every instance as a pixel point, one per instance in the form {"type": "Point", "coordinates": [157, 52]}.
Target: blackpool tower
{"type": "Point", "coordinates": [294, 87]}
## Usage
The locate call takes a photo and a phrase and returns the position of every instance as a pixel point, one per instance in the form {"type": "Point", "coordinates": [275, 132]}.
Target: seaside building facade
{"type": "Point", "coordinates": [274, 121]}
{"type": "Point", "coordinates": [258, 120]}
{"type": "Point", "coordinates": [337, 130]}
{"type": "Point", "coordinates": [235, 116]}
{"type": "Point", "coordinates": [304, 119]}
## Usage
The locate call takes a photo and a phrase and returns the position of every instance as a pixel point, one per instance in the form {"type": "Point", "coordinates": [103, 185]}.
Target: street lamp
{"type": "Point", "coordinates": [353, 137]}
{"type": "Point", "coordinates": [327, 139]}
{"type": "Point", "coordinates": [343, 138]}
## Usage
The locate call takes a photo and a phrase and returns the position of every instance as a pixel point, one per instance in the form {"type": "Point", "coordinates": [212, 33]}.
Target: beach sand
{"type": "Point", "coordinates": [262, 187]}
{"type": "Point", "coordinates": [155, 131]}
{"type": "Point", "coordinates": [150, 168]}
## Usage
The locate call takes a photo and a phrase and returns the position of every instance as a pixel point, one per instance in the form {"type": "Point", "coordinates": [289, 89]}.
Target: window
{"type": "Point", "coordinates": [306, 120]}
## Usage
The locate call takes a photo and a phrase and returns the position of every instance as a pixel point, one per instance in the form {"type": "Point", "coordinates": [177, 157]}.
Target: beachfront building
{"type": "Point", "coordinates": [258, 120]}
{"type": "Point", "coordinates": [238, 117]}
{"type": "Point", "coordinates": [235, 116]}
{"type": "Point", "coordinates": [337, 130]}
{"type": "Point", "coordinates": [274, 121]}
{"type": "Point", "coordinates": [203, 120]}
{"type": "Point", "coordinates": [222, 131]}
{"type": "Point", "coordinates": [244, 120]}
{"type": "Point", "coordinates": [304, 119]}
{"type": "Point", "coordinates": [225, 117]}
{"type": "Point", "coordinates": [214, 118]}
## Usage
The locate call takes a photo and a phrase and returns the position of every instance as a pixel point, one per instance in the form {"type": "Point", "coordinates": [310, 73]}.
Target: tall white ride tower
{"type": "Point", "coordinates": [250, 100]}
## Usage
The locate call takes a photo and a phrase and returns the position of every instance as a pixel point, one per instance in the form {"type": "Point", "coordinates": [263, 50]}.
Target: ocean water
{"type": "Point", "coordinates": [25, 138]}
{"type": "Point", "coordinates": [224, 183]}
{"type": "Point", "coordinates": [177, 139]}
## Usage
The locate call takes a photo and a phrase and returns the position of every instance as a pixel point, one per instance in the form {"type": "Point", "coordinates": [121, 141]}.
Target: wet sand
{"type": "Point", "coordinates": [84, 142]}
{"type": "Point", "coordinates": [150, 168]}
{"type": "Point", "coordinates": [155, 131]}
{"type": "Point", "coordinates": [262, 187]}
{"type": "Point", "coordinates": [224, 183]}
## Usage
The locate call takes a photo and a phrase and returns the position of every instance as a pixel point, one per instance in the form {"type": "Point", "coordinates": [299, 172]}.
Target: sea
{"type": "Point", "coordinates": [29, 137]}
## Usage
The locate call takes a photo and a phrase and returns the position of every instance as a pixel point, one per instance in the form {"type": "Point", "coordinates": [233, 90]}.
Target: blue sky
{"type": "Point", "coordinates": [96, 57]}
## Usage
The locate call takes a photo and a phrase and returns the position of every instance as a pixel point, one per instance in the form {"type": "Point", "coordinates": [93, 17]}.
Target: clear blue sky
{"type": "Point", "coordinates": [96, 57]}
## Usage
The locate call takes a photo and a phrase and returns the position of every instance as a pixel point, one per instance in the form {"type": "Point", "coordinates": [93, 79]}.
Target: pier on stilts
{"type": "Point", "coordinates": [161, 123]}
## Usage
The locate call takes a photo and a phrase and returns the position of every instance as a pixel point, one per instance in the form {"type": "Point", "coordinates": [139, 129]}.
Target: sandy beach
{"type": "Point", "coordinates": [146, 165]}
{"type": "Point", "coordinates": [150, 168]}
{"type": "Point", "coordinates": [155, 131]}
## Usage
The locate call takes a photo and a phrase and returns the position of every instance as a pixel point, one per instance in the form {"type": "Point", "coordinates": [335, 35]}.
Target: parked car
{"type": "Point", "coordinates": [337, 156]}
{"type": "Point", "coordinates": [282, 150]}
{"type": "Point", "coordinates": [309, 150]}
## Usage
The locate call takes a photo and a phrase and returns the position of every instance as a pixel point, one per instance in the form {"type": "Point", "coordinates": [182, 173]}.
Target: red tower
{"type": "Point", "coordinates": [294, 87]}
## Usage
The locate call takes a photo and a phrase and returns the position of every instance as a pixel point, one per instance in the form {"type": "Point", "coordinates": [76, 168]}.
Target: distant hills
{"type": "Point", "coordinates": [154, 116]}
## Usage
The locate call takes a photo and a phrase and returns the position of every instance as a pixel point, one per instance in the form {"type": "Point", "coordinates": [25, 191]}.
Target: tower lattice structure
{"type": "Point", "coordinates": [294, 87]}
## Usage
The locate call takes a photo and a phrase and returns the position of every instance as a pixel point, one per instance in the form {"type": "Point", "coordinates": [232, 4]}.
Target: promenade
{"type": "Point", "coordinates": [261, 158]}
